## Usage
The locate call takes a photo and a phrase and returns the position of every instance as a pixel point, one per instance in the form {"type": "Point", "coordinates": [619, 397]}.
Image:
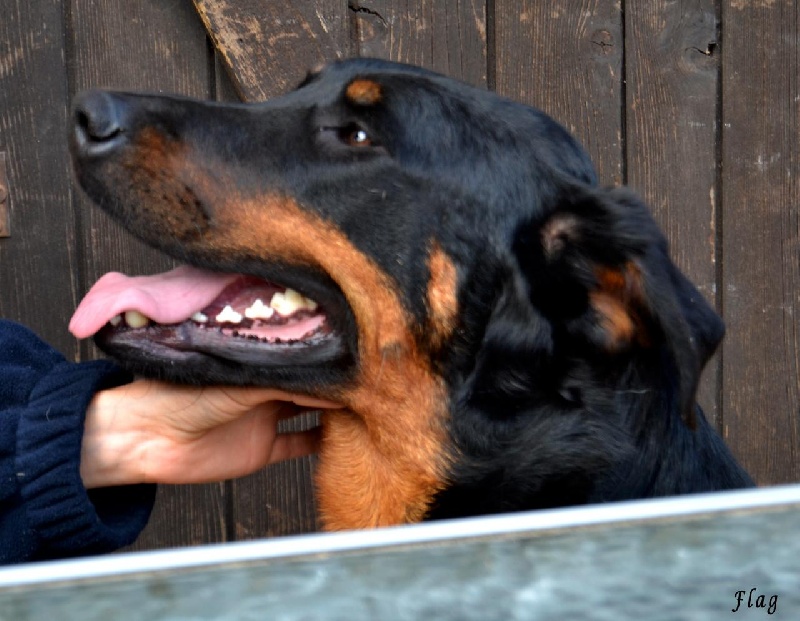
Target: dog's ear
{"type": "Point", "coordinates": [597, 267]}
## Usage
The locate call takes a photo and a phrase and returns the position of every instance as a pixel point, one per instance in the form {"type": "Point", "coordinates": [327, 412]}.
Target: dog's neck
{"type": "Point", "coordinates": [619, 443]}
{"type": "Point", "coordinates": [670, 458]}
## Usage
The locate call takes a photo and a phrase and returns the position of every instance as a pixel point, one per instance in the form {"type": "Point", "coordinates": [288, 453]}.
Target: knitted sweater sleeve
{"type": "Point", "coordinates": [45, 511]}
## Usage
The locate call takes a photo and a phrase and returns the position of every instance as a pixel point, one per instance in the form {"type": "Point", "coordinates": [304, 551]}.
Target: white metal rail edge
{"type": "Point", "coordinates": [532, 524]}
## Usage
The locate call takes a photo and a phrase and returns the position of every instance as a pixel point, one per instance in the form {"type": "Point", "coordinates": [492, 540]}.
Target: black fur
{"type": "Point", "coordinates": [573, 367]}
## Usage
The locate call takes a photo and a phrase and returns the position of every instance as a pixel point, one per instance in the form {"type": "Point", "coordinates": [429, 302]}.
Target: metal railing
{"type": "Point", "coordinates": [711, 556]}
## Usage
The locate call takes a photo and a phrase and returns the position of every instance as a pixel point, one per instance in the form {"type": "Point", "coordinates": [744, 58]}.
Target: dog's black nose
{"type": "Point", "coordinates": [99, 120]}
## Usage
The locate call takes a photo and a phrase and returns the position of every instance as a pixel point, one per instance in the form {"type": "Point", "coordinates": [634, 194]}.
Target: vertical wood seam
{"type": "Point", "coordinates": [228, 504]}
{"type": "Point", "coordinates": [718, 219]}
{"type": "Point", "coordinates": [80, 279]}
{"type": "Point", "coordinates": [354, 32]}
{"type": "Point", "coordinates": [211, 59]}
{"type": "Point", "coordinates": [623, 116]}
{"type": "Point", "coordinates": [491, 45]}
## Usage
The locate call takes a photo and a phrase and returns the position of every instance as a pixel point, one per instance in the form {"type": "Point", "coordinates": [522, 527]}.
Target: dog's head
{"type": "Point", "coordinates": [434, 247]}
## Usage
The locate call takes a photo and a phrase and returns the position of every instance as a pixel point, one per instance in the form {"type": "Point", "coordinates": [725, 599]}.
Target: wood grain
{"type": "Point", "coordinates": [5, 202]}
{"type": "Point", "coordinates": [268, 45]}
{"type": "Point", "coordinates": [672, 78]}
{"type": "Point", "coordinates": [156, 46]}
{"type": "Point", "coordinates": [761, 241]}
{"type": "Point", "coordinates": [448, 37]}
{"type": "Point", "coordinates": [38, 262]}
{"type": "Point", "coordinates": [278, 500]}
{"type": "Point", "coordinates": [566, 59]}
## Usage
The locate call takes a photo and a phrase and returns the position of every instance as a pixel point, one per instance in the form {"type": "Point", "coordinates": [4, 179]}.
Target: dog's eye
{"type": "Point", "coordinates": [351, 136]}
{"type": "Point", "coordinates": [355, 136]}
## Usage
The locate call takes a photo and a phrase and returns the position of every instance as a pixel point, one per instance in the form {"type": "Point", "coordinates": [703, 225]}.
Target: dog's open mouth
{"type": "Point", "coordinates": [188, 311]}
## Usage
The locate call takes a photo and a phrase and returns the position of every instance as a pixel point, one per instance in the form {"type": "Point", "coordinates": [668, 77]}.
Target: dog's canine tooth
{"type": "Point", "coordinates": [309, 304]}
{"type": "Point", "coordinates": [199, 317]}
{"type": "Point", "coordinates": [277, 302]}
{"type": "Point", "coordinates": [228, 315]}
{"type": "Point", "coordinates": [135, 319]}
{"type": "Point", "coordinates": [294, 298]}
{"type": "Point", "coordinates": [290, 301]}
{"type": "Point", "coordinates": [115, 320]}
{"type": "Point", "coordinates": [284, 303]}
{"type": "Point", "coordinates": [259, 310]}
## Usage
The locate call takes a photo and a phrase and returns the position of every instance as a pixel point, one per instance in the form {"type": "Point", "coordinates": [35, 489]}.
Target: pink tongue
{"type": "Point", "coordinates": [171, 297]}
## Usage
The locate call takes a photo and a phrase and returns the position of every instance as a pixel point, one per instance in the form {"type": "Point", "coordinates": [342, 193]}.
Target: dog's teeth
{"type": "Point", "coordinates": [200, 317]}
{"type": "Point", "coordinates": [309, 304]}
{"type": "Point", "coordinates": [294, 297]}
{"type": "Point", "coordinates": [228, 315]}
{"type": "Point", "coordinates": [290, 301]}
{"type": "Point", "coordinates": [285, 303]}
{"type": "Point", "coordinates": [277, 301]}
{"type": "Point", "coordinates": [115, 320]}
{"type": "Point", "coordinates": [135, 319]}
{"type": "Point", "coordinates": [259, 310]}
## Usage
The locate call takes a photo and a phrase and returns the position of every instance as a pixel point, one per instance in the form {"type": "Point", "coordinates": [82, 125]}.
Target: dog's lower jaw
{"type": "Point", "coordinates": [376, 472]}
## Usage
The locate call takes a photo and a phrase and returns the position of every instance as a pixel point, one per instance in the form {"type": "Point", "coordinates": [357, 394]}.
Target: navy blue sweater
{"type": "Point", "coordinates": [45, 511]}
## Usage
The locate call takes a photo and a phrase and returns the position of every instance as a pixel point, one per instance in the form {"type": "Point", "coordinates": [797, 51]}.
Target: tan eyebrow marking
{"type": "Point", "coordinates": [364, 92]}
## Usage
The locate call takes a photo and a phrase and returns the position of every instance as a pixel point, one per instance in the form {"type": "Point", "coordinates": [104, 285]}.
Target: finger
{"type": "Point", "coordinates": [295, 444]}
{"type": "Point", "coordinates": [304, 400]}
{"type": "Point", "coordinates": [280, 410]}
{"type": "Point", "coordinates": [250, 396]}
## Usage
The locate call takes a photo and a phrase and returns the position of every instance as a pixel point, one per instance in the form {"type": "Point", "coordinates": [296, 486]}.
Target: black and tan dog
{"type": "Point", "coordinates": [504, 335]}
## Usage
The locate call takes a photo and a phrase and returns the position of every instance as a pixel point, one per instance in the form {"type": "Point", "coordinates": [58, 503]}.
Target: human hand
{"type": "Point", "coordinates": [153, 432]}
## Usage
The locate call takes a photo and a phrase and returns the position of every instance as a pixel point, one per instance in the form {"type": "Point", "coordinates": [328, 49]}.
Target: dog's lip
{"type": "Point", "coordinates": [187, 341]}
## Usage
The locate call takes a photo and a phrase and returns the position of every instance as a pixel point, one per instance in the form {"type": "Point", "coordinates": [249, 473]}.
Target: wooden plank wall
{"type": "Point", "coordinates": [696, 105]}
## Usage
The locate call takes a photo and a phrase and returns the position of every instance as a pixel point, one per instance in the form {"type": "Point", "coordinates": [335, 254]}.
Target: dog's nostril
{"type": "Point", "coordinates": [98, 117]}
{"type": "Point", "coordinates": [82, 119]}
{"type": "Point", "coordinates": [97, 127]}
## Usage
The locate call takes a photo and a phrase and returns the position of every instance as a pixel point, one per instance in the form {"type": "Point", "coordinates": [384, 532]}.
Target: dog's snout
{"type": "Point", "coordinates": [99, 122]}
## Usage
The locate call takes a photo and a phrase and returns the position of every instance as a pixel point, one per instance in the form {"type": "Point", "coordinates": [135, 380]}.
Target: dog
{"type": "Point", "coordinates": [503, 334]}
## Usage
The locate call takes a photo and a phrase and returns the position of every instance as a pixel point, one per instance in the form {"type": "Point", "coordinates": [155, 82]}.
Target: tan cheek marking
{"type": "Point", "coordinates": [363, 92]}
{"type": "Point", "coordinates": [615, 321]}
{"type": "Point", "coordinates": [618, 302]}
{"type": "Point", "coordinates": [385, 457]}
{"type": "Point", "coordinates": [157, 172]}
{"type": "Point", "coordinates": [442, 296]}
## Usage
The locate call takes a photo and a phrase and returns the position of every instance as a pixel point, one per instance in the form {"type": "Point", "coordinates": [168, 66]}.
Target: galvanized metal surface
{"type": "Point", "coordinates": [682, 558]}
